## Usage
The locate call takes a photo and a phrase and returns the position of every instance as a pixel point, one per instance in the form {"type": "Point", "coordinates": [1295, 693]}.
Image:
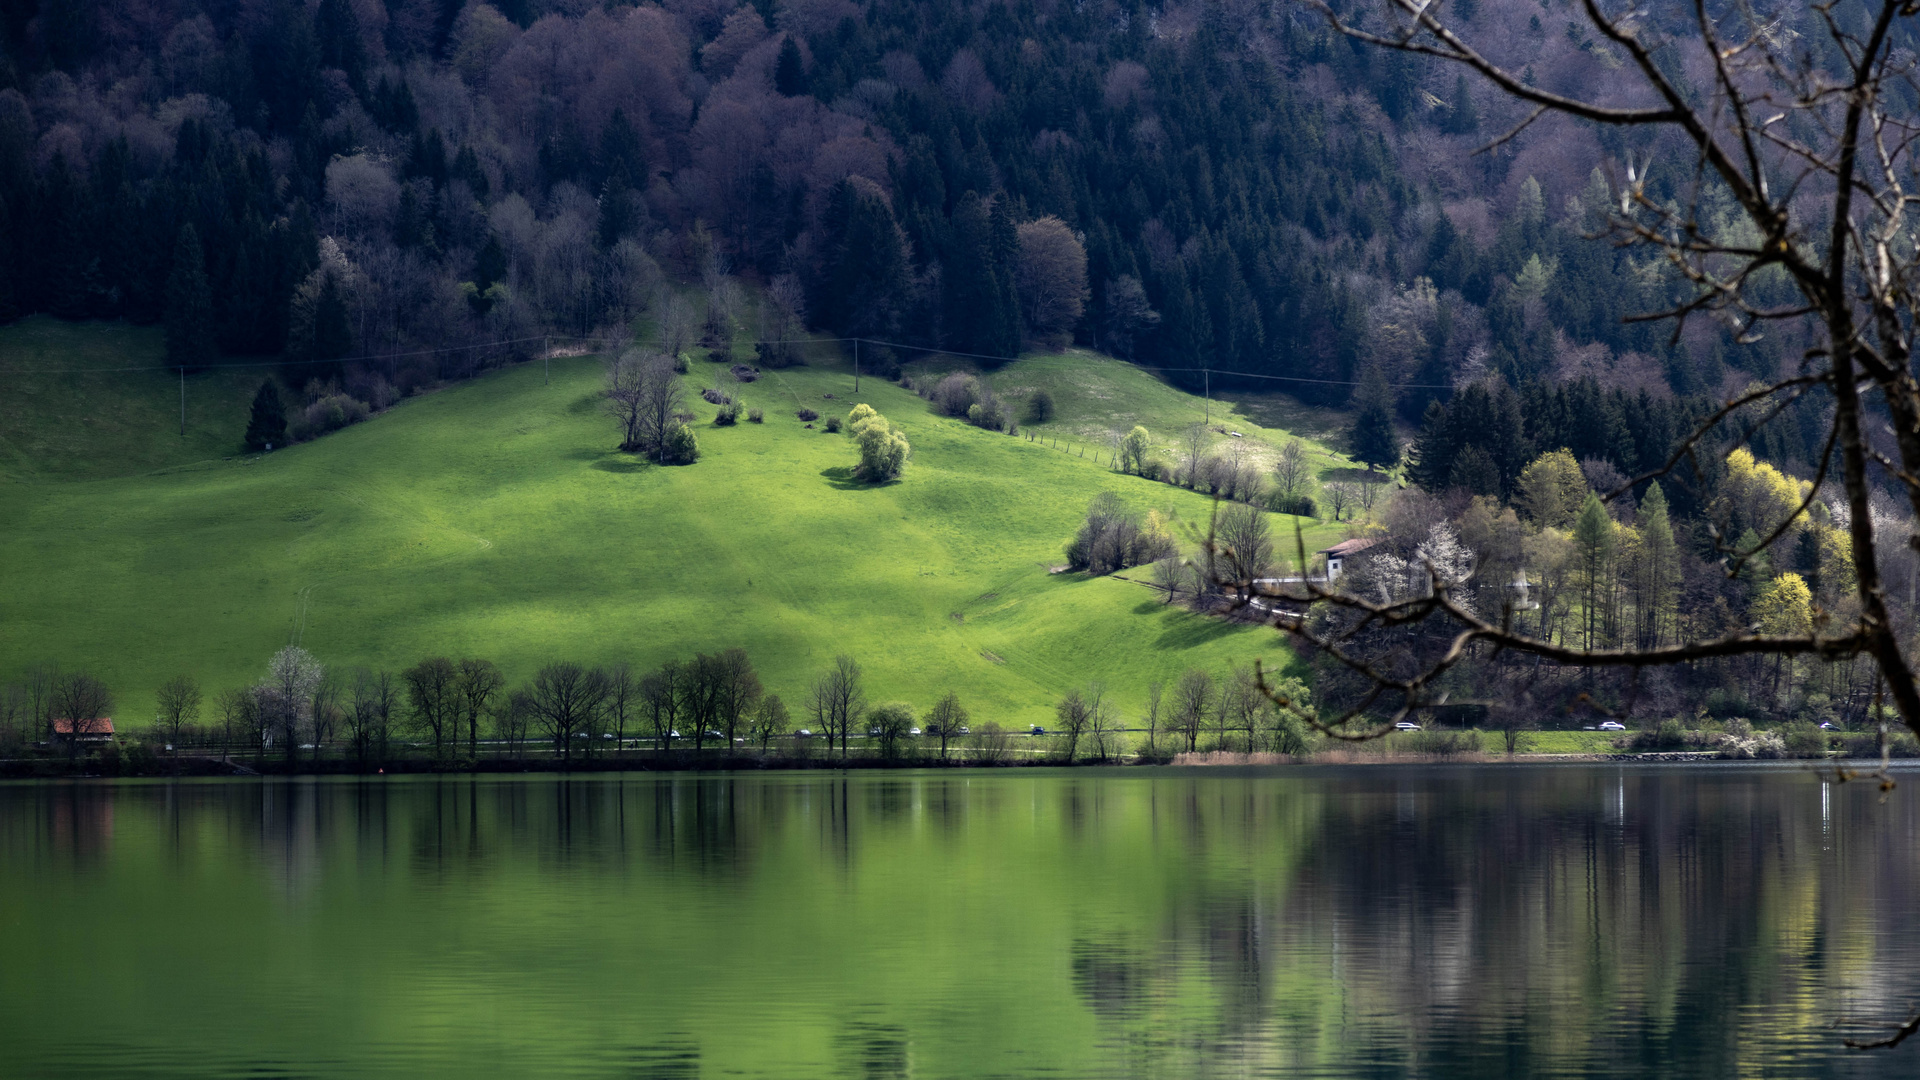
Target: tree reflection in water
{"type": "Point", "coordinates": [1457, 921]}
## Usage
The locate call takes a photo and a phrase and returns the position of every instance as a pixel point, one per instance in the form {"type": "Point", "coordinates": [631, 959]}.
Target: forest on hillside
{"type": "Point", "coordinates": [1248, 191]}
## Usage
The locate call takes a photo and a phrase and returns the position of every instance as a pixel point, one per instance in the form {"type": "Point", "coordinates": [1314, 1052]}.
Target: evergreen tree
{"type": "Point", "coordinates": [619, 214]}
{"type": "Point", "coordinates": [621, 154]}
{"type": "Point", "coordinates": [789, 73]}
{"type": "Point", "coordinates": [1660, 574]}
{"type": "Point", "coordinates": [267, 423]}
{"type": "Point", "coordinates": [1371, 439]}
{"type": "Point", "coordinates": [981, 313]}
{"type": "Point", "coordinates": [1434, 451]}
{"type": "Point", "coordinates": [860, 290]}
{"type": "Point", "coordinates": [189, 312]}
{"type": "Point", "coordinates": [332, 333]}
{"type": "Point", "coordinates": [1462, 117]}
{"type": "Point", "coordinates": [1474, 471]}
{"type": "Point", "coordinates": [1593, 537]}
{"type": "Point", "coordinates": [1006, 320]}
{"type": "Point", "coordinates": [337, 30]}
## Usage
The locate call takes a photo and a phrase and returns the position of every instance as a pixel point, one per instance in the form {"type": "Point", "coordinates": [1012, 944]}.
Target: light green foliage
{"type": "Point", "coordinates": [1134, 449]}
{"type": "Point", "coordinates": [883, 449]}
{"type": "Point", "coordinates": [1593, 541]}
{"type": "Point", "coordinates": [1784, 606]}
{"type": "Point", "coordinates": [495, 519]}
{"type": "Point", "coordinates": [682, 446]}
{"type": "Point", "coordinates": [889, 725]}
{"type": "Point", "coordinates": [1552, 489]}
{"type": "Point", "coordinates": [1656, 572]}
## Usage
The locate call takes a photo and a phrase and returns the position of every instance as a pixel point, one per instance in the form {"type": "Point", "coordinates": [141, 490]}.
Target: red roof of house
{"type": "Point", "coordinates": [101, 726]}
{"type": "Point", "coordinates": [1350, 547]}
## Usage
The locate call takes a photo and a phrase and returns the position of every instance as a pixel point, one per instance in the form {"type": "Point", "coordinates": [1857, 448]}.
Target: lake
{"type": "Point", "coordinates": [1372, 921]}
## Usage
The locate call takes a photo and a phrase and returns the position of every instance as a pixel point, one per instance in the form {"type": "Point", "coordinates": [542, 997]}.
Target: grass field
{"type": "Point", "coordinates": [1097, 399]}
{"type": "Point", "coordinates": [494, 519]}
{"type": "Point", "coordinates": [70, 411]}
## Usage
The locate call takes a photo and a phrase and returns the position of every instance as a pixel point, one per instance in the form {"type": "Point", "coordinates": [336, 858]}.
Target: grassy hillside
{"type": "Point", "coordinates": [1096, 399]}
{"type": "Point", "coordinates": [495, 519]}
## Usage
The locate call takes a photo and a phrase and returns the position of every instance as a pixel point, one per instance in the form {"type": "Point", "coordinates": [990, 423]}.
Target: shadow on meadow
{"type": "Point", "coordinates": [841, 477]}
{"type": "Point", "coordinates": [1193, 630]}
{"type": "Point", "coordinates": [622, 464]}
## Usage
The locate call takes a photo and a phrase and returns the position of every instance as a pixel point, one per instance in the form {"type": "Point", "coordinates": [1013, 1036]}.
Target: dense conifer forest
{"type": "Point", "coordinates": [1252, 192]}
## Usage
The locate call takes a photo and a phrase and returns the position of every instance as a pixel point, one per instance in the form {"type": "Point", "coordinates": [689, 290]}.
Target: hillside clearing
{"type": "Point", "coordinates": [495, 519]}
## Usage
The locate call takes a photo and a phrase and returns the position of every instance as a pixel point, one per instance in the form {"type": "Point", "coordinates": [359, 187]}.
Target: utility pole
{"type": "Point", "coordinates": [1206, 382]}
{"type": "Point", "coordinates": [183, 401]}
{"type": "Point", "coordinates": [546, 356]}
{"type": "Point", "coordinates": [856, 365]}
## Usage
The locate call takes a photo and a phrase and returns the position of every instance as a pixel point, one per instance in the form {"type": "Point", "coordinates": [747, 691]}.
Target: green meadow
{"type": "Point", "coordinates": [494, 518]}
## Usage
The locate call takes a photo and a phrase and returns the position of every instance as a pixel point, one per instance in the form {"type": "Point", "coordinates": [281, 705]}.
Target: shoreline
{"type": "Point", "coordinates": [202, 767]}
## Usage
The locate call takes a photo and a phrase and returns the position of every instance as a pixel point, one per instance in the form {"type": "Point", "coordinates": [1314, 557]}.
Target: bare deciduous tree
{"type": "Point", "coordinates": [1151, 720]}
{"type": "Point", "coordinates": [1290, 470]}
{"type": "Point", "coordinates": [84, 702]}
{"type": "Point", "coordinates": [838, 700]}
{"type": "Point", "coordinates": [177, 706]}
{"type": "Point", "coordinates": [1192, 702]}
{"type": "Point", "coordinates": [1370, 493]}
{"type": "Point", "coordinates": [433, 699]}
{"type": "Point", "coordinates": [946, 718]}
{"type": "Point", "coordinates": [479, 681]}
{"type": "Point", "coordinates": [1243, 548]}
{"type": "Point", "coordinates": [644, 394]}
{"type": "Point", "coordinates": [770, 719]}
{"type": "Point", "coordinates": [623, 700]}
{"type": "Point", "coordinates": [1071, 714]}
{"type": "Point", "coordinates": [737, 690]}
{"type": "Point", "coordinates": [661, 693]}
{"type": "Point", "coordinates": [237, 720]}
{"type": "Point", "coordinates": [1340, 495]}
{"type": "Point", "coordinates": [1103, 721]}
{"type": "Point", "coordinates": [373, 700]}
{"type": "Point", "coordinates": [675, 325]}
{"type": "Point", "coordinates": [567, 699]}
{"type": "Point", "coordinates": [1812, 153]}
{"type": "Point", "coordinates": [724, 301]}
{"type": "Point", "coordinates": [1194, 440]}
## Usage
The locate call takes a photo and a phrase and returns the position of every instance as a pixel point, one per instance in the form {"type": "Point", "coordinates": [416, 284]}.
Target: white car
{"type": "Point", "coordinates": [1406, 725]}
{"type": "Point", "coordinates": [1612, 725]}
{"type": "Point", "coordinates": [804, 733]}
{"type": "Point", "coordinates": [914, 731]}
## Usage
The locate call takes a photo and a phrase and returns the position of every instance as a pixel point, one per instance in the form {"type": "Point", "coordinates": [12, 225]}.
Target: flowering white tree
{"type": "Point", "coordinates": [286, 697]}
{"type": "Point", "coordinates": [1440, 558]}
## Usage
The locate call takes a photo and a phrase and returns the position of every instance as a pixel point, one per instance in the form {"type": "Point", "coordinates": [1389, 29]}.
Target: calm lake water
{"type": "Point", "coordinates": [1363, 922]}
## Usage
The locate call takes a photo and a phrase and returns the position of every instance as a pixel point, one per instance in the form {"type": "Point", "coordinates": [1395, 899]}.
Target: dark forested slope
{"type": "Point", "coordinates": [1249, 192]}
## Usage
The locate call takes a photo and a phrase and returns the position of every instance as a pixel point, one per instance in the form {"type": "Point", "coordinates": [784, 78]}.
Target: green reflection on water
{"type": "Point", "coordinates": [1333, 922]}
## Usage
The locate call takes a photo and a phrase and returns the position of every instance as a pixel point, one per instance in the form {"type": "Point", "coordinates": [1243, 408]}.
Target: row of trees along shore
{"type": "Point", "coordinates": [445, 713]}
